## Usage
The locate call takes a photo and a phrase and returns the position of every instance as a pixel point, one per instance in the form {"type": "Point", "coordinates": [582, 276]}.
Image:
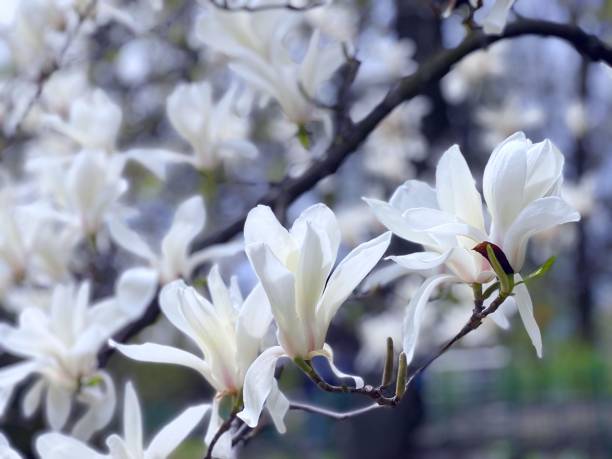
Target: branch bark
{"type": "Point", "coordinates": [349, 135]}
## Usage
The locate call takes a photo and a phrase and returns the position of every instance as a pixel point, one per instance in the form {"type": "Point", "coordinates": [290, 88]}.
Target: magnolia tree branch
{"type": "Point", "coordinates": [349, 135]}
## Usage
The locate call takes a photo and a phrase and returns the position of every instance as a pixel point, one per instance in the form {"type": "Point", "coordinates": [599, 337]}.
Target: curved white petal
{"type": "Point", "coordinates": [158, 353]}
{"type": "Point", "coordinates": [12, 375]}
{"type": "Point", "coordinates": [253, 322]}
{"type": "Point", "coordinates": [495, 22]}
{"type": "Point", "coordinates": [540, 215]}
{"type": "Point", "coordinates": [421, 261]}
{"type": "Point", "coordinates": [171, 436]}
{"type": "Point", "coordinates": [414, 312]}
{"type": "Point", "coordinates": [135, 289]}
{"type": "Point", "coordinates": [504, 180]}
{"type": "Point", "coordinates": [348, 274]}
{"type": "Point", "coordinates": [414, 193]}
{"type": "Point", "coordinates": [392, 218]}
{"type": "Point", "coordinates": [262, 227]}
{"type": "Point", "coordinates": [328, 353]}
{"type": "Point", "coordinates": [456, 189]}
{"type": "Point", "coordinates": [279, 285]}
{"type": "Point", "coordinates": [277, 405]}
{"type": "Point", "coordinates": [258, 384]}
{"type": "Point", "coordinates": [525, 308]}
{"type": "Point", "coordinates": [60, 446]}
{"type": "Point", "coordinates": [320, 218]}
{"type": "Point", "coordinates": [156, 160]}
{"type": "Point", "coordinates": [33, 397]}
{"type": "Point", "coordinates": [130, 240]}
{"type": "Point", "coordinates": [57, 406]}
{"type": "Point", "coordinates": [132, 419]}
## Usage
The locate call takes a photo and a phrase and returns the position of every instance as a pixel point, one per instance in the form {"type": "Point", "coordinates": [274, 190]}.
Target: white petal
{"type": "Point", "coordinates": [219, 293]}
{"type": "Point", "coordinates": [456, 189]}
{"type": "Point", "coordinates": [414, 312]}
{"type": "Point", "coordinates": [540, 215]}
{"type": "Point", "coordinates": [348, 274]}
{"type": "Point", "coordinates": [156, 160]}
{"type": "Point", "coordinates": [279, 285]}
{"type": "Point", "coordinates": [277, 405]}
{"type": "Point", "coordinates": [253, 323]}
{"type": "Point", "coordinates": [328, 353]}
{"type": "Point", "coordinates": [322, 219]}
{"type": "Point", "coordinates": [12, 375]}
{"type": "Point", "coordinates": [33, 397]}
{"type": "Point", "coordinates": [57, 406]}
{"type": "Point", "coordinates": [421, 261]}
{"type": "Point", "coordinates": [158, 353]}
{"type": "Point", "coordinates": [60, 446]}
{"type": "Point", "coordinates": [393, 220]}
{"type": "Point", "coordinates": [258, 384]}
{"type": "Point", "coordinates": [525, 308]}
{"type": "Point", "coordinates": [170, 299]}
{"type": "Point", "coordinates": [414, 193]}
{"type": "Point", "coordinates": [171, 436]}
{"type": "Point", "coordinates": [132, 419]}
{"type": "Point", "coordinates": [130, 240]}
{"type": "Point", "coordinates": [495, 22]}
{"type": "Point", "coordinates": [135, 290]}
{"type": "Point", "coordinates": [504, 180]}
{"type": "Point", "coordinates": [101, 407]}
{"type": "Point", "coordinates": [214, 252]}
{"type": "Point", "coordinates": [262, 227]}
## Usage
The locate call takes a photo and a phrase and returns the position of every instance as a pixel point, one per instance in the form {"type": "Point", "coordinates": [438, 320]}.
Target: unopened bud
{"type": "Point", "coordinates": [388, 369]}
{"type": "Point", "coordinates": [402, 374]}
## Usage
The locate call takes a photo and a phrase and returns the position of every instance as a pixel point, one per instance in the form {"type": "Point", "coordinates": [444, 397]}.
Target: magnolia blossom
{"type": "Point", "coordinates": [94, 123]}
{"type": "Point", "coordinates": [174, 260]}
{"type": "Point", "coordinates": [130, 445]}
{"type": "Point", "coordinates": [521, 187]}
{"type": "Point", "coordinates": [295, 269]}
{"type": "Point", "coordinates": [494, 22]}
{"type": "Point", "coordinates": [228, 332]}
{"type": "Point", "coordinates": [85, 195]}
{"type": "Point", "coordinates": [216, 133]}
{"type": "Point", "coordinates": [255, 44]}
{"type": "Point", "coordinates": [60, 345]}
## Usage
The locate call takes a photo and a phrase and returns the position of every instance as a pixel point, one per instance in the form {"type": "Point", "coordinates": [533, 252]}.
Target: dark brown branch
{"type": "Point", "coordinates": [350, 136]}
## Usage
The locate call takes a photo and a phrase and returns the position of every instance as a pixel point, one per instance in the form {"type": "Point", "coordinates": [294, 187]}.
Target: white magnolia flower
{"type": "Point", "coordinates": [294, 85]}
{"type": "Point", "coordinates": [59, 347]}
{"type": "Point", "coordinates": [521, 188]}
{"type": "Point", "coordinates": [255, 44]}
{"type": "Point", "coordinates": [494, 22]}
{"type": "Point", "coordinates": [6, 452]}
{"type": "Point", "coordinates": [295, 269]}
{"type": "Point", "coordinates": [94, 121]}
{"type": "Point", "coordinates": [248, 36]}
{"type": "Point", "coordinates": [174, 259]}
{"type": "Point", "coordinates": [214, 130]}
{"type": "Point", "coordinates": [83, 193]}
{"type": "Point", "coordinates": [228, 332]}
{"type": "Point", "coordinates": [130, 445]}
